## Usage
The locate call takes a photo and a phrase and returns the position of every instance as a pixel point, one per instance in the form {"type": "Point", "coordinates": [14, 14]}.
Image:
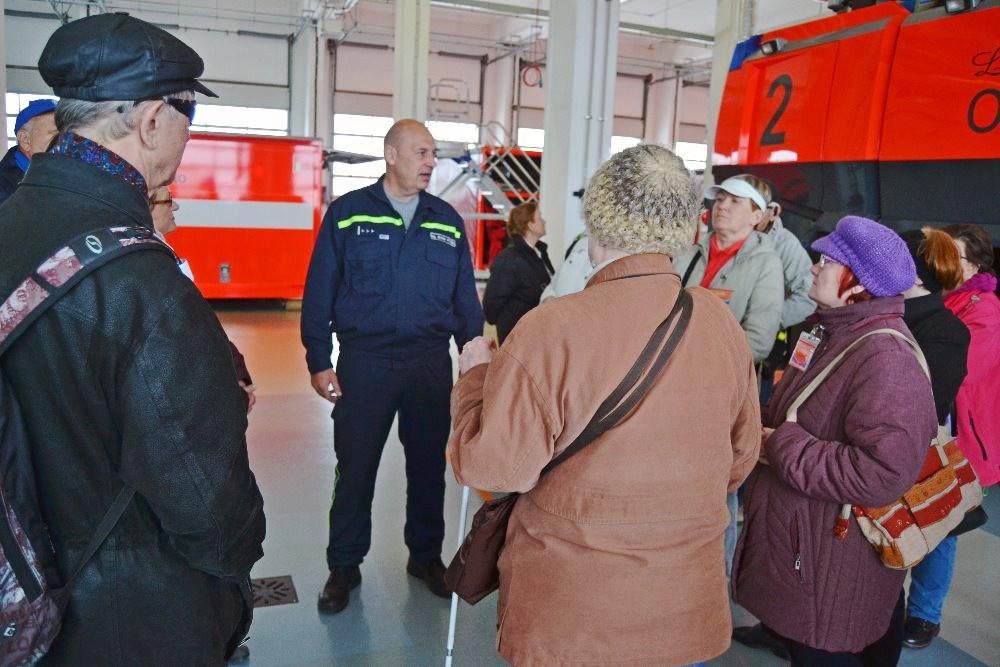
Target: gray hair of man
{"type": "Point", "coordinates": [111, 121]}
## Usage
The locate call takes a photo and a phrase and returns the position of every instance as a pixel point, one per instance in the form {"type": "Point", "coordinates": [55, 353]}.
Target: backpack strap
{"type": "Point", "coordinates": [38, 292]}
{"type": "Point", "coordinates": [66, 267]}
{"type": "Point", "coordinates": [793, 409]}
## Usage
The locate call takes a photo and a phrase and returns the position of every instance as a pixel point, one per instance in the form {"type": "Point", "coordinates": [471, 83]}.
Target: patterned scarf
{"type": "Point", "coordinates": [92, 153]}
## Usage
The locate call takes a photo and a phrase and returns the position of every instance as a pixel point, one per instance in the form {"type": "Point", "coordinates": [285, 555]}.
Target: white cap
{"type": "Point", "coordinates": [739, 188]}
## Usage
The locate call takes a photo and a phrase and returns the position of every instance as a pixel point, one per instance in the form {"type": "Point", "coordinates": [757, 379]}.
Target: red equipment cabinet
{"type": "Point", "coordinates": [250, 209]}
{"type": "Point", "coordinates": [877, 111]}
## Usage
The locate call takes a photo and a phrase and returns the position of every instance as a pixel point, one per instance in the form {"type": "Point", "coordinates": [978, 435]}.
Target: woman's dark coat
{"type": "Point", "coordinates": [518, 276]}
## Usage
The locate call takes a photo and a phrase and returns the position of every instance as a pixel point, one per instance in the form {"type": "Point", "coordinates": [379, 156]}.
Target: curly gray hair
{"type": "Point", "coordinates": [642, 200]}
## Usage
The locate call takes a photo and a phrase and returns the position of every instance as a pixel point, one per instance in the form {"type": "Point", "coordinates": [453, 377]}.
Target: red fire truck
{"type": "Point", "coordinates": [881, 111]}
{"type": "Point", "coordinates": [250, 208]}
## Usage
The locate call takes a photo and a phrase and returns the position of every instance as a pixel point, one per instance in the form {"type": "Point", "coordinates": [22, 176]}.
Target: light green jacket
{"type": "Point", "coordinates": [756, 280]}
{"type": "Point", "coordinates": [797, 268]}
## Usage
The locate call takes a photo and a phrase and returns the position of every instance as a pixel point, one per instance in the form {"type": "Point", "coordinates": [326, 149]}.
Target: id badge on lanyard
{"type": "Point", "coordinates": [804, 350]}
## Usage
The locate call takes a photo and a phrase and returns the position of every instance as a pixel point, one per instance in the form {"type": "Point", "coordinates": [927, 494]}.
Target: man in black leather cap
{"type": "Point", "coordinates": [128, 379]}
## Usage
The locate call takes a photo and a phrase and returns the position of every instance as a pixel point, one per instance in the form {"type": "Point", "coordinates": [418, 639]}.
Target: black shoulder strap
{"type": "Point", "coordinates": [38, 292]}
{"type": "Point", "coordinates": [569, 250]}
{"type": "Point", "coordinates": [690, 268]}
{"type": "Point", "coordinates": [614, 408]}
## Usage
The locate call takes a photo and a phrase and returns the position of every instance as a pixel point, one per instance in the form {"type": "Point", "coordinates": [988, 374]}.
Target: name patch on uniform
{"type": "Point", "coordinates": [443, 238]}
{"type": "Point", "coordinates": [384, 237]}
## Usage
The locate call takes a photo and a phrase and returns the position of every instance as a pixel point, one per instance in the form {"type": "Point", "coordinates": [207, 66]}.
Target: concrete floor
{"type": "Point", "coordinates": [392, 619]}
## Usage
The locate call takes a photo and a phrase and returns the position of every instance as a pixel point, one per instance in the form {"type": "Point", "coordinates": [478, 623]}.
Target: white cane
{"type": "Point", "coordinates": [454, 596]}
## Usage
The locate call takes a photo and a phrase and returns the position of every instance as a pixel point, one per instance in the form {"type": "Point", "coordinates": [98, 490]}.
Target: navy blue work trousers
{"type": "Point", "coordinates": [373, 394]}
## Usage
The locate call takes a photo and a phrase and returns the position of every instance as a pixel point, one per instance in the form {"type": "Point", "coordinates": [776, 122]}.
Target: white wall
{"type": "Point", "coordinates": [249, 70]}
{"type": "Point", "coordinates": [244, 70]}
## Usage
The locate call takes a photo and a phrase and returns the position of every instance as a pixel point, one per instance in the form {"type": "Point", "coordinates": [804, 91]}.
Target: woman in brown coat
{"type": "Point", "coordinates": [617, 556]}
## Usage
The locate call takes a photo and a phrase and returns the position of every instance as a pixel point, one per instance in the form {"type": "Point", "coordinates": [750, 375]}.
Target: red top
{"type": "Point", "coordinates": [717, 258]}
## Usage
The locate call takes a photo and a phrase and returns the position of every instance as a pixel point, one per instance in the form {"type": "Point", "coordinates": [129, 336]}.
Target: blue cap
{"type": "Point", "coordinates": [34, 108]}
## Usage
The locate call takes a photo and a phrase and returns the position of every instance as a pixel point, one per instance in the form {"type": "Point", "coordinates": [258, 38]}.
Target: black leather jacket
{"type": "Point", "coordinates": [129, 379]}
{"type": "Point", "coordinates": [518, 276]}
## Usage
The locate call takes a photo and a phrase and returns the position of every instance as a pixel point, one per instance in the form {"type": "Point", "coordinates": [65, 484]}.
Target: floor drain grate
{"type": "Point", "coordinates": [272, 591]}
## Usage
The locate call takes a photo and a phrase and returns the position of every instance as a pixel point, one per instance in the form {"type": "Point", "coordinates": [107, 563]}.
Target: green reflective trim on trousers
{"type": "Point", "coordinates": [336, 480]}
{"type": "Point", "coordinates": [441, 227]}
{"type": "Point", "coordinates": [374, 219]}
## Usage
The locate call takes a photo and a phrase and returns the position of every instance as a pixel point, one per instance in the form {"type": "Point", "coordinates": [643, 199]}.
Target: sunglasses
{"type": "Point", "coordinates": [185, 107]}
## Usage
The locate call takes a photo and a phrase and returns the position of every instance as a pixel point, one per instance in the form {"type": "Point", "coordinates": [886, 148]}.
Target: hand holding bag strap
{"type": "Point", "coordinates": [793, 409]}
{"type": "Point", "coordinates": [614, 408]}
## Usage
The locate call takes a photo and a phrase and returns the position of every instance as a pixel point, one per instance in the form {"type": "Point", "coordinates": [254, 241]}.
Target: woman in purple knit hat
{"type": "Point", "coordinates": [861, 438]}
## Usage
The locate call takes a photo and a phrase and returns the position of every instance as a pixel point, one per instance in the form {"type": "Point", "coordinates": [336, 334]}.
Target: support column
{"type": "Point", "coordinates": [733, 23]}
{"type": "Point", "coordinates": [324, 89]}
{"type": "Point", "coordinates": [302, 73]}
{"type": "Point", "coordinates": [3, 66]}
{"type": "Point", "coordinates": [663, 111]}
{"type": "Point", "coordinates": [412, 45]}
{"type": "Point", "coordinates": [579, 109]}
{"type": "Point", "coordinates": [498, 95]}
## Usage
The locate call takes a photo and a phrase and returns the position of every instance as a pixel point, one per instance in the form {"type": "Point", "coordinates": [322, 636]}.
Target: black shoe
{"type": "Point", "coordinates": [337, 591]}
{"type": "Point", "coordinates": [757, 637]}
{"type": "Point", "coordinates": [241, 654]}
{"type": "Point", "coordinates": [919, 633]}
{"type": "Point", "coordinates": [432, 574]}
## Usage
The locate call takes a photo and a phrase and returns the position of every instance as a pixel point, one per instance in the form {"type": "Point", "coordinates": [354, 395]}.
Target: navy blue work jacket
{"type": "Point", "coordinates": [393, 293]}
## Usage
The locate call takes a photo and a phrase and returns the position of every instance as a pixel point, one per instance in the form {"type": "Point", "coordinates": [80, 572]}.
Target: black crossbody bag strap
{"type": "Point", "coordinates": [690, 268]}
{"type": "Point", "coordinates": [53, 279]}
{"type": "Point", "coordinates": [621, 402]}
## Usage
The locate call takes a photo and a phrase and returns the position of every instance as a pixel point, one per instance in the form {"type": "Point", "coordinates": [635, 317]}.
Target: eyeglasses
{"type": "Point", "coordinates": [824, 260]}
{"type": "Point", "coordinates": [159, 202]}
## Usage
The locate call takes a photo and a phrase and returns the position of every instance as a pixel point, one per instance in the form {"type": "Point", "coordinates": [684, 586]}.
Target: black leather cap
{"type": "Point", "coordinates": [117, 57]}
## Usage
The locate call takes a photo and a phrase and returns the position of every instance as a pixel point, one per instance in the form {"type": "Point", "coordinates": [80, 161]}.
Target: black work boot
{"type": "Point", "coordinates": [337, 591]}
{"type": "Point", "coordinates": [431, 573]}
{"type": "Point", "coordinates": [758, 637]}
{"type": "Point", "coordinates": [918, 633]}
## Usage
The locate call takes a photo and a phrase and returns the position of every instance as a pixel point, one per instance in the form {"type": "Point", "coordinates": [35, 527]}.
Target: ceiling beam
{"type": "Point", "coordinates": [530, 14]}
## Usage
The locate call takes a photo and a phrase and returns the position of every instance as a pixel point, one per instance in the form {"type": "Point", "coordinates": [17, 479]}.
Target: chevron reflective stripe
{"type": "Point", "coordinates": [441, 227]}
{"type": "Point", "coordinates": [374, 219]}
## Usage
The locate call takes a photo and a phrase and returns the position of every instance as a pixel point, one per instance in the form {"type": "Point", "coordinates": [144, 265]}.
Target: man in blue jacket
{"type": "Point", "coordinates": [391, 275]}
{"type": "Point", "coordinates": [34, 127]}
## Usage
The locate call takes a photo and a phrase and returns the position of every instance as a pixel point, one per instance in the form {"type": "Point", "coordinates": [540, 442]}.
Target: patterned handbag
{"type": "Point", "coordinates": [905, 531]}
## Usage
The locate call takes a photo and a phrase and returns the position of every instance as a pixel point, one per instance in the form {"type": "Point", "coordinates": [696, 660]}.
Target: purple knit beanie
{"type": "Point", "coordinates": [875, 253]}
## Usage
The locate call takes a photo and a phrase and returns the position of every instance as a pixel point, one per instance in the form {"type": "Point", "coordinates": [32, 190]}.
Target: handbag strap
{"type": "Point", "coordinates": [621, 402]}
{"type": "Point", "coordinates": [793, 409]}
{"type": "Point", "coordinates": [690, 268]}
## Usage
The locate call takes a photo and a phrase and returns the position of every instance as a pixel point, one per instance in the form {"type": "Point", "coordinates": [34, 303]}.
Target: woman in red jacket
{"type": "Point", "coordinates": [976, 304]}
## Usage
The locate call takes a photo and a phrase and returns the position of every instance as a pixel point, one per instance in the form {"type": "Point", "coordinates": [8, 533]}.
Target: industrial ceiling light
{"type": "Point", "coordinates": [955, 6]}
{"type": "Point", "coordinates": [772, 46]}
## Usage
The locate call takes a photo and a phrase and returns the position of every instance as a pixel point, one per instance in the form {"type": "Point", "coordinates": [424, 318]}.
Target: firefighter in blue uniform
{"type": "Point", "coordinates": [391, 275]}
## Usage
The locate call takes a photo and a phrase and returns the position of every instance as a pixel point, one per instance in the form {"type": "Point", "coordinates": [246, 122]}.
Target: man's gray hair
{"type": "Point", "coordinates": [112, 120]}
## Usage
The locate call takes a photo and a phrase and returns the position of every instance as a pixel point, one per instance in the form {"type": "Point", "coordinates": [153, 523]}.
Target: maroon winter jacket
{"type": "Point", "coordinates": [860, 439]}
